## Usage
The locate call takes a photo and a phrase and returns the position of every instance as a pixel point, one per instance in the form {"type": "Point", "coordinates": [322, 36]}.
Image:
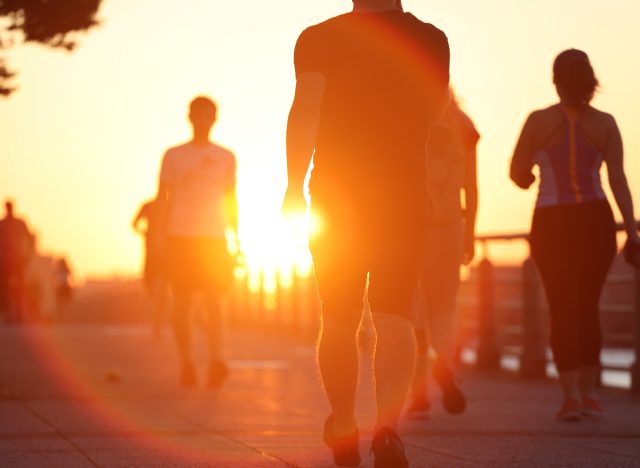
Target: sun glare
{"type": "Point", "coordinates": [272, 252]}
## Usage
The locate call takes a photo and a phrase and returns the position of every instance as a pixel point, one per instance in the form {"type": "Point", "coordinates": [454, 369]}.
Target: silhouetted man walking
{"type": "Point", "coordinates": [197, 182]}
{"type": "Point", "coordinates": [15, 249]}
{"type": "Point", "coordinates": [369, 85]}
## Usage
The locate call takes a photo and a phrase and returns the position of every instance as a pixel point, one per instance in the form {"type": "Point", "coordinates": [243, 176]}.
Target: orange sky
{"type": "Point", "coordinates": [81, 142]}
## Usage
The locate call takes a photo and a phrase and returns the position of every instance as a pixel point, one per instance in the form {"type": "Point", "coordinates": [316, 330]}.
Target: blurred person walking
{"type": "Point", "coordinates": [369, 85]}
{"type": "Point", "coordinates": [16, 248]}
{"type": "Point", "coordinates": [450, 242]}
{"type": "Point", "coordinates": [153, 215]}
{"type": "Point", "coordinates": [573, 233]}
{"type": "Point", "coordinates": [62, 286]}
{"type": "Point", "coordinates": [197, 187]}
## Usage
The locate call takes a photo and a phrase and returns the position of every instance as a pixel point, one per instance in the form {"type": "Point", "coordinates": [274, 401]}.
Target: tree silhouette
{"type": "Point", "coordinates": [53, 23]}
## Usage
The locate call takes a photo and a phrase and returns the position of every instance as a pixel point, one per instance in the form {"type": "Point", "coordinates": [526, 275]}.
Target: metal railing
{"type": "Point", "coordinates": [296, 309]}
{"type": "Point", "coordinates": [532, 330]}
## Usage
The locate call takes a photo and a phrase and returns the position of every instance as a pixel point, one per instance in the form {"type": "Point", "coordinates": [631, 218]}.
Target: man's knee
{"type": "Point", "coordinates": [400, 307]}
{"type": "Point", "coordinates": [342, 315]}
{"type": "Point", "coordinates": [395, 320]}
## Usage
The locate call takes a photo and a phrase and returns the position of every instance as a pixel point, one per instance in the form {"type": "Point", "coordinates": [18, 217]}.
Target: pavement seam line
{"type": "Point", "coordinates": [601, 450]}
{"type": "Point", "coordinates": [444, 454]}
{"type": "Point", "coordinates": [226, 436]}
{"type": "Point", "coordinates": [59, 433]}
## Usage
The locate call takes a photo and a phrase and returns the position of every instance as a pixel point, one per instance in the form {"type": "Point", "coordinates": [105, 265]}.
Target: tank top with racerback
{"type": "Point", "coordinates": [569, 167]}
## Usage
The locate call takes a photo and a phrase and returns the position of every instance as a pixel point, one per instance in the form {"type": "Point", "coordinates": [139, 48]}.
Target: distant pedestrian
{"type": "Point", "coordinates": [369, 85]}
{"type": "Point", "coordinates": [63, 287]}
{"type": "Point", "coordinates": [197, 186]}
{"type": "Point", "coordinates": [449, 242]}
{"type": "Point", "coordinates": [153, 215]}
{"type": "Point", "coordinates": [573, 234]}
{"type": "Point", "coordinates": [16, 246]}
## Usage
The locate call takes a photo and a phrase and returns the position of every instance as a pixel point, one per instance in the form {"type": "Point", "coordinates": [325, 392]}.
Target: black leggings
{"type": "Point", "coordinates": [573, 247]}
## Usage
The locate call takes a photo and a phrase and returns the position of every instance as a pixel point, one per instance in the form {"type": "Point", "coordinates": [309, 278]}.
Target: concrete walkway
{"type": "Point", "coordinates": [108, 396]}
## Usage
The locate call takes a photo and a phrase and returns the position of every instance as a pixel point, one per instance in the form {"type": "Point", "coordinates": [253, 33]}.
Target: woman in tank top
{"type": "Point", "coordinates": [573, 233]}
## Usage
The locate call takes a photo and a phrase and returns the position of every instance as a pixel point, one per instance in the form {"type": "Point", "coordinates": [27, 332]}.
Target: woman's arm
{"type": "Point", "coordinates": [470, 204]}
{"type": "Point", "coordinates": [522, 161]}
{"type": "Point", "coordinates": [614, 158]}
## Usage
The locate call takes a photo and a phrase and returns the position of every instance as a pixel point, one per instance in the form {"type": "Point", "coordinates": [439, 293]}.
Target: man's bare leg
{"type": "Point", "coordinates": [394, 365]}
{"type": "Point", "coordinates": [214, 325]}
{"type": "Point", "coordinates": [419, 386]}
{"type": "Point", "coordinates": [159, 304]}
{"type": "Point", "coordinates": [214, 331]}
{"type": "Point", "coordinates": [182, 334]}
{"type": "Point", "coordinates": [339, 367]}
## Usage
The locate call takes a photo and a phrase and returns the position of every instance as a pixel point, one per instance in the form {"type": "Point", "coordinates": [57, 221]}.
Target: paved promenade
{"type": "Point", "coordinates": [108, 396]}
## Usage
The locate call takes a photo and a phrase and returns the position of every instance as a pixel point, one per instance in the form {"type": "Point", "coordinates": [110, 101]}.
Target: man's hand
{"type": "Point", "coordinates": [469, 247]}
{"type": "Point", "coordinates": [294, 212]}
{"type": "Point", "coordinates": [294, 203]}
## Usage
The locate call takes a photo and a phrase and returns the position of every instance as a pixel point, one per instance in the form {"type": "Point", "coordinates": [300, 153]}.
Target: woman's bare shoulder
{"type": "Point", "coordinates": [601, 116]}
{"type": "Point", "coordinates": [541, 120]}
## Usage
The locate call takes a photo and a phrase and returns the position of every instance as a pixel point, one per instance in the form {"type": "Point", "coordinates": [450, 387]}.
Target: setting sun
{"type": "Point", "coordinates": [312, 233]}
{"type": "Point", "coordinates": [84, 134]}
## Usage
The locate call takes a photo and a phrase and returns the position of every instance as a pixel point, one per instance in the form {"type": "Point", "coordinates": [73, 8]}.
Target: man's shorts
{"type": "Point", "coordinates": [384, 238]}
{"type": "Point", "coordinates": [199, 263]}
{"type": "Point", "coordinates": [154, 268]}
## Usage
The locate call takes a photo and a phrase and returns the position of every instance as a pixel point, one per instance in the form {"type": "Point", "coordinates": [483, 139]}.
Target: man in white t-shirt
{"type": "Point", "coordinates": [197, 183]}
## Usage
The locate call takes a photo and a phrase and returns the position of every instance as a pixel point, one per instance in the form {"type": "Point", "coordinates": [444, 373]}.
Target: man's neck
{"type": "Point", "coordinates": [371, 6]}
{"type": "Point", "coordinates": [201, 140]}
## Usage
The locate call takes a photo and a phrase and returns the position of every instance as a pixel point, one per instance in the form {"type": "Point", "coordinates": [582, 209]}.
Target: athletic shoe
{"type": "Point", "coordinates": [188, 377]}
{"type": "Point", "coordinates": [453, 399]}
{"type": "Point", "coordinates": [419, 404]}
{"type": "Point", "coordinates": [388, 449]}
{"type": "Point", "coordinates": [346, 449]}
{"type": "Point", "coordinates": [570, 411]}
{"type": "Point", "coordinates": [218, 372]}
{"type": "Point", "coordinates": [591, 407]}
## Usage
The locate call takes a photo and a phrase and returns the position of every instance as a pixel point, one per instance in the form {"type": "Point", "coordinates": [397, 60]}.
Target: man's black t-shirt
{"type": "Point", "coordinates": [386, 76]}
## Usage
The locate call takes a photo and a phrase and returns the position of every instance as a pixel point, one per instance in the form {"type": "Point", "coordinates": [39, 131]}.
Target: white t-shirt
{"type": "Point", "coordinates": [197, 178]}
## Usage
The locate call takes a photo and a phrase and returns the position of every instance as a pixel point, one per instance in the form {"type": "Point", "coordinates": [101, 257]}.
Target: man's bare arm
{"type": "Point", "coordinates": [302, 129]}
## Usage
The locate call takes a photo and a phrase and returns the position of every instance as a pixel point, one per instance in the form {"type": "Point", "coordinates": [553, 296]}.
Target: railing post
{"type": "Point", "coordinates": [533, 362]}
{"type": "Point", "coordinates": [254, 309]}
{"type": "Point", "coordinates": [238, 299]}
{"type": "Point", "coordinates": [241, 287]}
{"type": "Point", "coordinates": [296, 303]}
{"type": "Point", "coordinates": [262, 299]}
{"type": "Point", "coordinates": [279, 301]}
{"type": "Point", "coordinates": [635, 370]}
{"type": "Point", "coordinates": [488, 353]}
{"type": "Point", "coordinates": [231, 301]}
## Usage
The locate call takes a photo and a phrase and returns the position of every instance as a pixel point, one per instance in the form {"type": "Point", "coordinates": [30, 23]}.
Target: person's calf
{"type": "Point", "coordinates": [339, 367]}
{"type": "Point", "coordinates": [394, 365]}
